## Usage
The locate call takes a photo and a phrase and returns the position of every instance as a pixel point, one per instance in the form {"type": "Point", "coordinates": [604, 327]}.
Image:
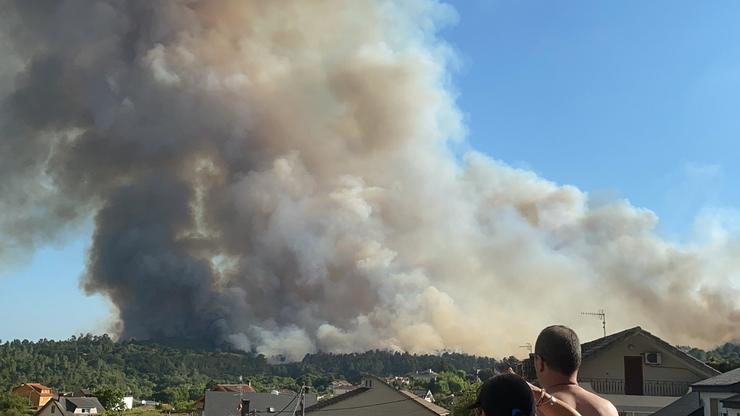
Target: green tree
{"type": "Point", "coordinates": [183, 406]}
{"type": "Point", "coordinates": [110, 397]}
{"type": "Point", "coordinates": [12, 405]}
{"type": "Point", "coordinates": [456, 384]}
{"type": "Point", "coordinates": [465, 399]}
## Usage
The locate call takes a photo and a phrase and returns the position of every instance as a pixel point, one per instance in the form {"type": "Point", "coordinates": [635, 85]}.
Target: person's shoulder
{"type": "Point", "coordinates": [568, 397]}
{"type": "Point", "coordinates": [606, 408]}
{"type": "Point", "coordinates": [602, 406]}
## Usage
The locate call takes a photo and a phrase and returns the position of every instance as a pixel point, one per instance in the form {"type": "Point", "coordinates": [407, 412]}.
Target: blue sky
{"type": "Point", "coordinates": [627, 99]}
{"type": "Point", "coordinates": [632, 99]}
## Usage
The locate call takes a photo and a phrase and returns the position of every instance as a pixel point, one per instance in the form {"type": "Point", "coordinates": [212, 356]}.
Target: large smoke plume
{"type": "Point", "coordinates": [283, 176]}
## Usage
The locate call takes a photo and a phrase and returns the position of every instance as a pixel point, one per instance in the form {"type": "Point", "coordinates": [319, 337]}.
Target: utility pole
{"type": "Point", "coordinates": [241, 395]}
{"type": "Point", "coordinates": [601, 315]}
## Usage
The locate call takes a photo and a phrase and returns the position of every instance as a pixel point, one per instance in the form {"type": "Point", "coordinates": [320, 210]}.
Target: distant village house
{"type": "Point", "coordinates": [36, 394]}
{"type": "Point", "coordinates": [341, 387]}
{"type": "Point", "coordinates": [69, 406]}
{"type": "Point", "coordinates": [425, 394]}
{"type": "Point", "coordinates": [425, 376]}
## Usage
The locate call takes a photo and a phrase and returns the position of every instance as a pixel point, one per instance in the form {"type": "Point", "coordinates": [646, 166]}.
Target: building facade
{"type": "Point", "coordinates": [639, 372]}
{"type": "Point", "coordinates": [36, 394]}
{"type": "Point", "coordinates": [71, 406]}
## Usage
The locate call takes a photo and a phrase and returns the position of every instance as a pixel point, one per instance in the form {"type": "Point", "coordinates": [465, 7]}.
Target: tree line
{"type": "Point", "coordinates": [180, 373]}
{"type": "Point", "coordinates": [724, 358]}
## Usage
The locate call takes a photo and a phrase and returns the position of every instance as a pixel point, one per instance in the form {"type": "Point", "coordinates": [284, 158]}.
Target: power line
{"type": "Point", "coordinates": [295, 409]}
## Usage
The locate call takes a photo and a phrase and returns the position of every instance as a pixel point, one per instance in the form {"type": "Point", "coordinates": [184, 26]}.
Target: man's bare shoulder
{"type": "Point", "coordinates": [598, 406]}
{"type": "Point", "coordinates": [586, 403]}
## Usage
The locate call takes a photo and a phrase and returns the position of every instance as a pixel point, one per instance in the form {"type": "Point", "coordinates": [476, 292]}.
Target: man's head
{"type": "Point", "coordinates": [505, 395]}
{"type": "Point", "coordinates": [557, 353]}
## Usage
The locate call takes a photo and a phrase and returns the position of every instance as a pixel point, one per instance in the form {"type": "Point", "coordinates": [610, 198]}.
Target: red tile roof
{"type": "Point", "coordinates": [36, 386]}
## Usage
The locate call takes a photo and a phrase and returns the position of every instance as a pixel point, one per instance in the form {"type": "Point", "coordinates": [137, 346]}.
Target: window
{"type": "Point", "coordinates": [52, 408]}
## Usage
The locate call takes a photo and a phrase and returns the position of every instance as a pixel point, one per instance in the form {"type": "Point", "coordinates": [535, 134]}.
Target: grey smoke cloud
{"type": "Point", "coordinates": [279, 175]}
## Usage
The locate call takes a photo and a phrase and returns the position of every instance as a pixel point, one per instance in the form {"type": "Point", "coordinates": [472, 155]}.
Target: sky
{"type": "Point", "coordinates": [631, 99]}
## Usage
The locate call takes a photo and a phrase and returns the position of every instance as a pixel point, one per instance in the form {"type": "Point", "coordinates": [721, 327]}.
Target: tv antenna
{"type": "Point", "coordinates": [601, 315]}
{"type": "Point", "coordinates": [527, 346]}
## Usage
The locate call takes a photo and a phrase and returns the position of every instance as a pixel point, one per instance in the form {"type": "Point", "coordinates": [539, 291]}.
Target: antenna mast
{"type": "Point", "coordinates": [601, 315]}
{"type": "Point", "coordinates": [527, 346]}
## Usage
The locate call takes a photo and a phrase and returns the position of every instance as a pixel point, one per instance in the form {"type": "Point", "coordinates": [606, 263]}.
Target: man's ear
{"type": "Point", "coordinates": [542, 365]}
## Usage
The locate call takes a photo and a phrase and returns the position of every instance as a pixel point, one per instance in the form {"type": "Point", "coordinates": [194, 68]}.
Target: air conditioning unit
{"type": "Point", "coordinates": [653, 358]}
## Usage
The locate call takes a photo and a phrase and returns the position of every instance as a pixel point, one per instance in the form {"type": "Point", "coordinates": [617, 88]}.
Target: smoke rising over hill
{"type": "Point", "coordinates": [279, 175]}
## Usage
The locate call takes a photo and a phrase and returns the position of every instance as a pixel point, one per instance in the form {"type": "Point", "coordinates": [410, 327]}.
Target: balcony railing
{"type": "Point", "coordinates": [649, 387]}
{"type": "Point", "coordinates": [606, 385]}
{"type": "Point", "coordinates": [665, 388]}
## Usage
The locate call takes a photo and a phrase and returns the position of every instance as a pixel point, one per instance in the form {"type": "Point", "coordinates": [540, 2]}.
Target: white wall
{"type": "Point", "coordinates": [92, 411]}
{"type": "Point", "coordinates": [610, 363]}
{"type": "Point", "coordinates": [128, 402]}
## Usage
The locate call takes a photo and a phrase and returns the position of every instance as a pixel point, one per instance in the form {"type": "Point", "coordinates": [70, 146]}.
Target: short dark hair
{"type": "Point", "coordinates": [559, 346]}
{"type": "Point", "coordinates": [505, 395]}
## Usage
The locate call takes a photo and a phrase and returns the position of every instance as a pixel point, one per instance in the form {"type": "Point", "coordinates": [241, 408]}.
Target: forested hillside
{"type": "Point", "coordinates": [171, 374]}
{"type": "Point", "coordinates": [724, 358]}
{"type": "Point", "coordinates": [180, 373]}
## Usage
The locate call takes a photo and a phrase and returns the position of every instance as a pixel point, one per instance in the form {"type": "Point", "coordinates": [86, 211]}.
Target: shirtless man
{"type": "Point", "coordinates": [557, 356]}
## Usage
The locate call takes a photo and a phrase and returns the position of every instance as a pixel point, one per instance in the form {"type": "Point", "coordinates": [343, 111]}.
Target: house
{"type": "Point", "coordinates": [69, 406]}
{"type": "Point", "coordinates": [36, 394]}
{"type": "Point", "coordinates": [718, 395]}
{"type": "Point", "coordinates": [82, 393]}
{"type": "Point", "coordinates": [341, 387]}
{"type": "Point", "coordinates": [426, 376]}
{"type": "Point", "coordinates": [425, 394]}
{"type": "Point", "coordinates": [226, 403]}
{"type": "Point", "coordinates": [127, 403]}
{"type": "Point", "coordinates": [376, 397]}
{"type": "Point", "coordinates": [639, 372]}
